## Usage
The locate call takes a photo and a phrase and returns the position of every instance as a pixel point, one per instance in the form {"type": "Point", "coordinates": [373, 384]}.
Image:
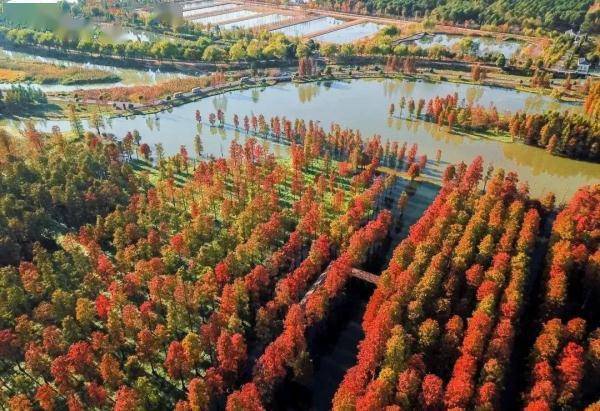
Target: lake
{"type": "Point", "coordinates": [479, 46]}
{"type": "Point", "coordinates": [363, 104]}
{"type": "Point", "coordinates": [220, 18]}
{"type": "Point", "coordinates": [312, 26]}
{"type": "Point", "coordinates": [350, 34]}
{"type": "Point", "coordinates": [255, 21]}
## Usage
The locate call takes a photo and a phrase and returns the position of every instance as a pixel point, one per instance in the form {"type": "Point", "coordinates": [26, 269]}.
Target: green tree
{"type": "Point", "coordinates": [302, 50]}
{"type": "Point", "coordinates": [238, 51]}
{"type": "Point", "coordinates": [329, 50]}
{"type": "Point", "coordinates": [198, 147]}
{"type": "Point", "coordinates": [96, 120]}
{"type": "Point", "coordinates": [75, 122]}
{"type": "Point", "coordinates": [254, 50]}
{"type": "Point", "coordinates": [214, 53]}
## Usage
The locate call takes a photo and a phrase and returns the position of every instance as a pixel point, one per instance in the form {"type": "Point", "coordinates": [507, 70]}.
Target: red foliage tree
{"type": "Point", "coordinates": [126, 399]}
{"type": "Point", "coordinates": [246, 399]}
{"type": "Point", "coordinates": [432, 392]}
{"type": "Point", "coordinates": [177, 363]}
{"type": "Point", "coordinates": [198, 395]}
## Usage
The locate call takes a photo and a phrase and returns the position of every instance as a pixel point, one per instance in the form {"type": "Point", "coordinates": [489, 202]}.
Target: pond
{"type": "Point", "coordinates": [129, 77]}
{"type": "Point", "coordinates": [363, 105]}
{"type": "Point", "coordinates": [479, 46]}
{"type": "Point", "coordinates": [350, 34]}
{"type": "Point", "coordinates": [313, 26]}
{"type": "Point", "coordinates": [121, 34]}
{"type": "Point", "coordinates": [256, 22]}
{"type": "Point", "coordinates": [209, 9]}
{"type": "Point", "coordinates": [197, 4]}
{"type": "Point", "coordinates": [220, 18]}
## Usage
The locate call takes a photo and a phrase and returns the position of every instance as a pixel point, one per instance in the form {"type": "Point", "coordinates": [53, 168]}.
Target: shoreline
{"type": "Point", "coordinates": [112, 113]}
{"type": "Point", "coordinates": [356, 75]}
{"type": "Point", "coordinates": [112, 79]}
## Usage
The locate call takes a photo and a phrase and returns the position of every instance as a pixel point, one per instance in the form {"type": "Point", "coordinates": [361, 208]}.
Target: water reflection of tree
{"type": "Point", "coordinates": [394, 88]}
{"type": "Point", "coordinates": [220, 102]}
{"type": "Point", "coordinates": [404, 124]}
{"type": "Point", "coordinates": [390, 87]}
{"type": "Point", "coordinates": [533, 102]}
{"type": "Point", "coordinates": [408, 87]}
{"type": "Point", "coordinates": [547, 173]}
{"type": "Point", "coordinates": [543, 171]}
{"type": "Point", "coordinates": [441, 134]}
{"type": "Point", "coordinates": [412, 125]}
{"type": "Point", "coordinates": [306, 92]}
{"type": "Point", "coordinates": [255, 94]}
{"type": "Point", "coordinates": [473, 94]}
{"type": "Point", "coordinates": [539, 161]}
{"type": "Point", "coordinates": [150, 123]}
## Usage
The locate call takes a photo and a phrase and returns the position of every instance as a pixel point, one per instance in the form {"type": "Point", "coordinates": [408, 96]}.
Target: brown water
{"type": "Point", "coordinates": [363, 104]}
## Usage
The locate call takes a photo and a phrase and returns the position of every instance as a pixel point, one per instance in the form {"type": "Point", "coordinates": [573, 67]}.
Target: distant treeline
{"type": "Point", "coordinates": [547, 14]}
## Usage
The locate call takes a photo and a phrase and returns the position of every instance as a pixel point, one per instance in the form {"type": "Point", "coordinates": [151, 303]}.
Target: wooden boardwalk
{"type": "Point", "coordinates": [356, 273]}
{"type": "Point", "coordinates": [365, 275]}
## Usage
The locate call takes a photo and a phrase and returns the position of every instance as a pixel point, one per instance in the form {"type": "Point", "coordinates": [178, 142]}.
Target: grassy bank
{"type": "Point", "coordinates": [15, 71]}
{"type": "Point", "coordinates": [86, 109]}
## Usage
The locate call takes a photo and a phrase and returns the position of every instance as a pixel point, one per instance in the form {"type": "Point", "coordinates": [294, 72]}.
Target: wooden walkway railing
{"type": "Point", "coordinates": [356, 273]}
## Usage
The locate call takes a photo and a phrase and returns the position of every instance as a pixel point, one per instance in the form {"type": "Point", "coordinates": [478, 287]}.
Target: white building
{"type": "Point", "coordinates": [583, 66]}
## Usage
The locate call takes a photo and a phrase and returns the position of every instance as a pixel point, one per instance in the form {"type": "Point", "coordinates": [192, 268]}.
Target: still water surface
{"type": "Point", "coordinates": [350, 34]}
{"type": "Point", "coordinates": [312, 26]}
{"type": "Point", "coordinates": [363, 105]}
{"type": "Point", "coordinates": [479, 46]}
